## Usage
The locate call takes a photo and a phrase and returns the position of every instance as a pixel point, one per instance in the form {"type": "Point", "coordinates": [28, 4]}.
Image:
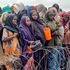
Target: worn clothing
{"type": "Point", "coordinates": [26, 34]}
{"type": "Point", "coordinates": [66, 40]}
{"type": "Point", "coordinates": [56, 38]}
{"type": "Point", "coordinates": [11, 46]}
{"type": "Point", "coordinates": [56, 59]}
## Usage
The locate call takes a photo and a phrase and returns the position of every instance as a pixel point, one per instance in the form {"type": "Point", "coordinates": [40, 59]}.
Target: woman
{"type": "Point", "coordinates": [24, 26]}
{"type": "Point", "coordinates": [41, 9]}
{"type": "Point", "coordinates": [55, 41]}
{"type": "Point", "coordinates": [11, 40]}
{"type": "Point", "coordinates": [27, 37]}
{"type": "Point", "coordinates": [65, 18]}
{"type": "Point", "coordinates": [37, 22]}
{"type": "Point", "coordinates": [39, 35]}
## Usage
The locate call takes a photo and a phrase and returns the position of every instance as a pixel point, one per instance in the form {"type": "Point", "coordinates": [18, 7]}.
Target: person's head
{"type": "Point", "coordinates": [11, 19]}
{"type": "Point", "coordinates": [65, 17]}
{"type": "Point", "coordinates": [34, 15]}
{"type": "Point", "coordinates": [15, 8]}
{"type": "Point", "coordinates": [53, 10]}
{"type": "Point", "coordinates": [4, 16]}
{"type": "Point", "coordinates": [14, 20]}
{"type": "Point", "coordinates": [41, 8]}
{"type": "Point", "coordinates": [56, 6]}
{"type": "Point", "coordinates": [50, 16]}
{"type": "Point", "coordinates": [25, 20]}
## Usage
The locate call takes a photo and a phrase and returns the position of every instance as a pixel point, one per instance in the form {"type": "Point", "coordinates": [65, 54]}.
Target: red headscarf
{"type": "Point", "coordinates": [64, 14]}
{"type": "Point", "coordinates": [33, 8]}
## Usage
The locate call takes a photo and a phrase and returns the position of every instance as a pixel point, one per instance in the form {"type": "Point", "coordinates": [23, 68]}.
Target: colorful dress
{"type": "Point", "coordinates": [11, 47]}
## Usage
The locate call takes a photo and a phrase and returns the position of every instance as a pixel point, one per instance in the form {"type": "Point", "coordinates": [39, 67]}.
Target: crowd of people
{"type": "Point", "coordinates": [24, 29]}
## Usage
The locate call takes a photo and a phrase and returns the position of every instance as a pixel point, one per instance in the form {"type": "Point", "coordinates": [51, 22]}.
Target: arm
{"type": "Point", "coordinates": [5, 35]}
{"type": "Point", "coordinates": [8, 38]}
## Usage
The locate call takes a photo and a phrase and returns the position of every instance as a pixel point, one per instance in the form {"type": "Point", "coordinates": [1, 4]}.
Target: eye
{"type": "Point", "coordinates": [14, 19]}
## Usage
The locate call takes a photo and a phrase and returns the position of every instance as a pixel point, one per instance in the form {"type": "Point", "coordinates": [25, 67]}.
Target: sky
{"type": "Point", "coordinates": [64, 4]}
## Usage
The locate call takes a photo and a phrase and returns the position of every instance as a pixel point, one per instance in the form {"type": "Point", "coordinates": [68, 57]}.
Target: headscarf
{"type": "Point", "coordinates": [14, 28]}
{"type": "Point", "coordinates": [53, 10]}
{"type": "Point", "coordinates": [15, 8]}
{"type": "Point", "coordinates": [6, 9]}
{"type": "Point", "coordinates": [9, 23]}
{"type": "Point", "coordinates": [25, 28]}
{"type": "Point", "coordinates": [33, 8]}
{"type": "Point", "coordinates": [37, 22]}
{"type": "Point", "coordinates": [21, 6]}
{"type": "Point", "coordinates": [32, 12]}
{"type": "Point", "coordinates": [3, 17]}
{"type": "Point", "coordinates": [40, 8]}
{"type": "Point", "coordinates": [62, 15]}
{"type": "Point", "coordinates": [48, 14]}
{"type": "Point", "coordinates": [57, 7]}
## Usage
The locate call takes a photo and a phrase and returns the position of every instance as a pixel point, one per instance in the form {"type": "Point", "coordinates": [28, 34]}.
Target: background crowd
{"type": "Point", "coordinates": [24, 29]}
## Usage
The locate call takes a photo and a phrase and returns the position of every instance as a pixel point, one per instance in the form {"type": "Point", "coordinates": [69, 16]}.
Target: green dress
{"type": "Point", "coordinates": [55, 39]}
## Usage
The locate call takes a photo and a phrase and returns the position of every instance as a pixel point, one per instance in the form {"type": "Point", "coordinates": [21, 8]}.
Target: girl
{"type": "Point", "coordinates": [27, 37]}
{"type": "Point", "coordinates": [37, 22]}
{"type": "Point", "coordinates": [52, 24]}
{"type": "Point", "coordinates": [11, 40]}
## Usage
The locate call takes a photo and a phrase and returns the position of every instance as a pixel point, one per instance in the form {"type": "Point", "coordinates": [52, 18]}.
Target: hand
{"type": "Point", "coordinates": [55, 33]}
{"type": "Point", "coordinates": [32, 42]}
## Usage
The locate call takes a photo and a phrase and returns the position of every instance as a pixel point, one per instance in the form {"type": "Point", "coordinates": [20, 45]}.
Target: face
{"type": "Point", "coordinates": [34, 16]}
{"type": "Point", "coordinates": [51, 17]}
{"type": "Point", "coordinates": [14, 21]}
{"type": "Point", "coordinates": [28, 22]}
{"type": "Point", "coordinates": [65, 19]}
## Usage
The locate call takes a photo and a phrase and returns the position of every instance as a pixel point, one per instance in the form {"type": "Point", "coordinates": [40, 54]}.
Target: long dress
{"type": "Point", "coordinates": [11, 47]}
